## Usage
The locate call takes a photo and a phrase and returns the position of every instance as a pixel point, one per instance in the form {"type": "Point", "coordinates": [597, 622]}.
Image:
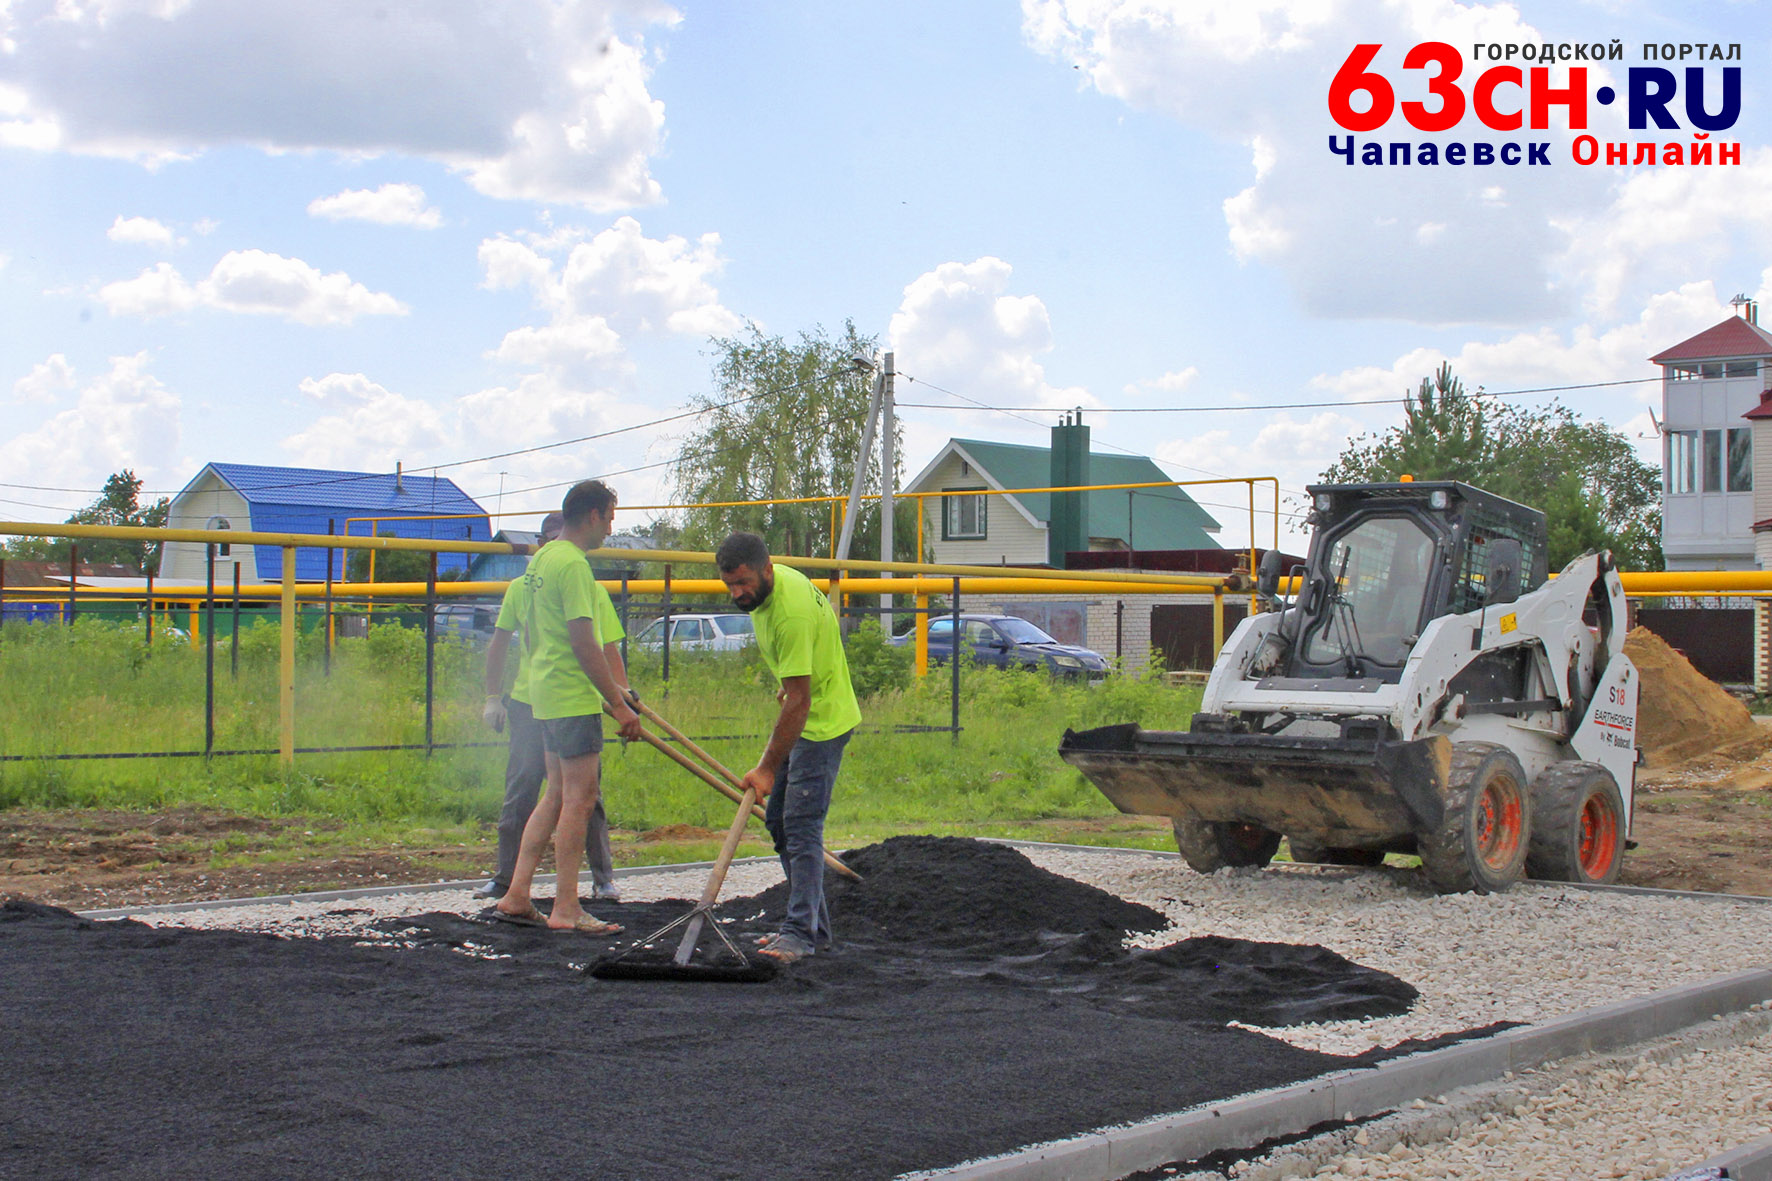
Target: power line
{"type": "Point", "coordinates": [1479, 393]}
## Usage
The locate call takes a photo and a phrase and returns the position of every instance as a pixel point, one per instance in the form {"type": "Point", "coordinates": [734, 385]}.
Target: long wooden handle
{"type": "Point", "coordinates": [717, 878]}
{"type": "Point", "coordinates": [733, 835]}
{"type": "Point", "coordinates": [689, 744]}
{"type": "Point", "coordinates": [707, 777]}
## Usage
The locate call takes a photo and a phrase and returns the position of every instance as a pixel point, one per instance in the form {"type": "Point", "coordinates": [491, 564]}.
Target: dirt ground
{"type": "Point", "coordinates": [1703, 824]}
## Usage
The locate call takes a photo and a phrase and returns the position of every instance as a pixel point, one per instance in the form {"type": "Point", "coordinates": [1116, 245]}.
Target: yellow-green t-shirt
{"type": "Point", "coordinates": [560, 589]}
{"type": "Point", "coordinates": [798, 636]}
{"type": "Point", "coordinates": [512, 610]}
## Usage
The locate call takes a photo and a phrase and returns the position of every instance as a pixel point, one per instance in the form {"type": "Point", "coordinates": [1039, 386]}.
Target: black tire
{"type": "Point", "coordinates": [1578, 825]}
{"type": "Point", "coordinates": [1310, 853]}
{"type": "Point", "coordinates": [1211, 845]}
{"type": "Point", "coordinates": [1480, 846]}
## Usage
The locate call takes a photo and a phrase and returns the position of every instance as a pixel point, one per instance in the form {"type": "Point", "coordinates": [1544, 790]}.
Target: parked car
{"type": "Point", "coordinates": [1007, 641]}
{"type": "Point", "coordinates": [708, 633]}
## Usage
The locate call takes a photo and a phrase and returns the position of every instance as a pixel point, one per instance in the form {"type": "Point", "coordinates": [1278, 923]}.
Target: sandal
{"type": "Point", "coordinates": [587, 925]}
{"type": "Point", "coordinates": [528, 918]}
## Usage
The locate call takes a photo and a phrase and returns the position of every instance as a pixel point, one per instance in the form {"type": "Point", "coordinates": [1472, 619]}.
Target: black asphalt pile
{"type": "Point", "coordinates": [974, 1004]}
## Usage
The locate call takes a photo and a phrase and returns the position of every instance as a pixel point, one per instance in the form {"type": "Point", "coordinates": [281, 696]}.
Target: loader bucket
{"type": "Point", "coordinates": [1348, 792]}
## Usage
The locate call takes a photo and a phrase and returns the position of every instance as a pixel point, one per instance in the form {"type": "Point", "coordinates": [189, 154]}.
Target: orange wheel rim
{"type": "Point", "coordinates": [1599, 836]}
{"type": "Point", "coordinates": [1501, 823]}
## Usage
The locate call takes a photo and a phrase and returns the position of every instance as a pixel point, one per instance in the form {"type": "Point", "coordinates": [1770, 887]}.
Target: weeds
{"type": "Point", "coordinates": [95, 687]}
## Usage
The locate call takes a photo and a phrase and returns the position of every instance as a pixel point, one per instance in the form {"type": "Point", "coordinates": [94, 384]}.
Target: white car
{"type": "Point", "coordinates": [706, 633]}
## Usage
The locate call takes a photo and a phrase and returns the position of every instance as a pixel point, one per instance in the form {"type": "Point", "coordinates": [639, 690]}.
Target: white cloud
{"type": "Point", "coordinates": [367, 428]}
{"type": "Point", "coordinates": [968, 334]}
{"type": "Point", "coordinates": [252, 282]}
{"type": "Point", "coordinates": [607, 286]}
{"type": "Point", "coordinates": [45, 380]}
{"type": "Point", "coordinates": [125, 419]}
{"type": "Point", "coordinates": [542, 100]}
{"type": "Point", "coordinates": [1173, 382]}
{"type": "Point", "coordinates": [390, 205]}
{"type": "Point", "coordinates": [141, 231]}
{"type": "Point", "coordinates": [1418, 244]}
{"type": "Point", "coordinates": [158, 291]}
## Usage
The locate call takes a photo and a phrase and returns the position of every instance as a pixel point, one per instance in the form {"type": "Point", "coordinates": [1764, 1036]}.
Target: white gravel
{"type": "Point", "coordinates": [1534, 953]}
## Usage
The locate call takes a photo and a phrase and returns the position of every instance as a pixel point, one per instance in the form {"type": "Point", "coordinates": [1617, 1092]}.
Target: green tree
{"type": "Point", "coordinates": [794, 430]}
{"type": "Point", "coordinates": [394, 565]}
{"type": "Point", "coordinates": [119, 503]}
{"type": "Point", "coordinates": [1585, 476]}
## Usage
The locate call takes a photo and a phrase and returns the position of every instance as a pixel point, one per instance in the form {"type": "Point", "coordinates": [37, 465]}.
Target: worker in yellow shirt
{"type": "Point", "coordinates": [569, 680]}
{"type": "Point", "coordinates": [798, 638]}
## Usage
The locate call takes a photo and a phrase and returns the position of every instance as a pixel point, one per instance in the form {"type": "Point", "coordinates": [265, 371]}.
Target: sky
{"type": "Point", "coordinates": [337, 234]}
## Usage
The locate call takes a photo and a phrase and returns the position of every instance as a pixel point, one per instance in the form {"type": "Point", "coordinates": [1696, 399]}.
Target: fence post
{"type": "Point", "coordinates": [954, 662]}
{"type": "Point", "coordinates": [73, 578]}
{"type": "Point", "coordinates": [330, 554]}
{"type": "Point", "coordinates": [234, 641]}
{"type": "Point", "coordinates": [430, 650]}
{"type": "Point", "coordinates": [624, 620]}
{"type": "Point", "coordinates": [286, 670]}
{"type": "Point", "coordinates": [1120, 633]}
{"type": "Point", "coordinates": [149, 636]}
{"type": "Point", "coordinates": [667, 628]}
{"type": "Point", "coordinates": [208, 654]}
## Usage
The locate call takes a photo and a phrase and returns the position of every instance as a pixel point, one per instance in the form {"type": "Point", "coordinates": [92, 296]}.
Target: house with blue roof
{"type": "Point", "coordinates": [312, 500]}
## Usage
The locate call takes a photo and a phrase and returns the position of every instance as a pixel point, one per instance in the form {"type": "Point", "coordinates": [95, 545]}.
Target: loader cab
{"type": "Point", "coordinates": [1386, 560]}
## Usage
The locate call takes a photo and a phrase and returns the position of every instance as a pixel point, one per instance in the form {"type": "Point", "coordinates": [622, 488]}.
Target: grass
{"type": "Point", "coordinates": [96, 687]}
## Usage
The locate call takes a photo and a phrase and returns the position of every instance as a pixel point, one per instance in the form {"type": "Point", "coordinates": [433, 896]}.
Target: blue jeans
{"type": "Point", "coordinates": [795, 818]}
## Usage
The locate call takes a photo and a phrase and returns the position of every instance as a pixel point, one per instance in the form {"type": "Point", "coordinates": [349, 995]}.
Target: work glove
{"type": "Point", "coordinates": [494, 713]}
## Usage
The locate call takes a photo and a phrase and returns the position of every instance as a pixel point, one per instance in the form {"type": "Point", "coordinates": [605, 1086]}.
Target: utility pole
{"type": "Point", "coordinates": [862, 455]}
{"type": "Point", "coordinates": [888, 467]}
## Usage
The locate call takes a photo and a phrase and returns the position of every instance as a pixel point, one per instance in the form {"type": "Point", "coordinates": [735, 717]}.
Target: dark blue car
{"type": "Point", "coordinates": [1005, 641]}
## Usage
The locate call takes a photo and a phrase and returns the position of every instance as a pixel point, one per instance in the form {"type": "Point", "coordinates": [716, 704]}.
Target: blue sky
{"type": "Point", "coordinates": [337, 235]}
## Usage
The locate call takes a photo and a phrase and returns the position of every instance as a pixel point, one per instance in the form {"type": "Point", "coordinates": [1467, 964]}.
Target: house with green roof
{"type": "Point", "coordinates": [984, 522]}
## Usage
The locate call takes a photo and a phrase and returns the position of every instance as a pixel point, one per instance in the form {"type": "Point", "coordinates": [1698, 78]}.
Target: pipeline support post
{"type": "Point", "coordinates": [922, 634]}
{"type": "Point", "coordinates": [1217, 621]}
{"type": "Point", "coordinates": [286, 665]}
{"type": "Point", "coordinates": [234, 638]}
{"type": "Point", "coordinates": [954, 653]}
{"type": "Point", "coordinates": [209, 651]}
{"type": "Point", "coordinates": [430, 654]}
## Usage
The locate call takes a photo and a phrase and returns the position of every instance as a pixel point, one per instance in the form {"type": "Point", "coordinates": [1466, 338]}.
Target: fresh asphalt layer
{"type": "Point", "coordinates": [1239, 1118]}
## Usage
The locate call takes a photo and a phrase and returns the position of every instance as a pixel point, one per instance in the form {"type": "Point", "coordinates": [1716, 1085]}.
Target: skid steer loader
{"type": "Point", "coordinates": [1427, 690]}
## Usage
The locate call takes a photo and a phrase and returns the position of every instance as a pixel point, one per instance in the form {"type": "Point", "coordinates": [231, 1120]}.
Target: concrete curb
{"type": "Point", "coordinates": [1750, 1162]}
{"type": "Point", "coordinates": [1248, 1120]}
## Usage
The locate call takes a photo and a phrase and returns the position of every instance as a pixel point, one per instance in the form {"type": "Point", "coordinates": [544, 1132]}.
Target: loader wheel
{"type": "Point", "coordinates": [1481, 844]}
{"type": "Point", "coordinates": [1310, 853]}
{"type": "Point", "coordinates": [1578, 825]}
{"type": "Point", "coordinates": [1211, 845]}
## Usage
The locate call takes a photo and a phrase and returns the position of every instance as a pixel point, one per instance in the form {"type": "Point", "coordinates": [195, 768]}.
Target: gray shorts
{"type": "Point", "coordinates": [572, 738]}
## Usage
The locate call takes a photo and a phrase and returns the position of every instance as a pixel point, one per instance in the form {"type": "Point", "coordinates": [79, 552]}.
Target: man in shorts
{"type": "Point", "coordinates": [526, 767]}
{"type": "Point", "coordinates": [569, 680]}
{"type": "Point", "coordinates": [798, 638]}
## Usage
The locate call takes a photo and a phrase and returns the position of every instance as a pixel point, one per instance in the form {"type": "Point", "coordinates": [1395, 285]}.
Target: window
{"type": "Point", "coordinates": [964, 517]}
{"type": "Point", "coordinates": [1681, 372]}
{"type": "Point", "coordinates": [1710, 369]}
{"type": "Point", "coordinates": [1741, 459]}
{"type": "Point", "coordinates": [736, 625]}
{"type": "Point", "coordinates": [1740, 368]}
{"type": "Point", "coordinates": [1713, 461]}
{"type": "Point", "coordinates": [690, 629]}
{"type": "Point", "coordinates": [1682, 462]}
{"type": "Point", "coordinates": [941, 629]}
{"type": "Point", "coordinates": [225, 548]}
{"type": "Point", "coordinates": [1381, 568]}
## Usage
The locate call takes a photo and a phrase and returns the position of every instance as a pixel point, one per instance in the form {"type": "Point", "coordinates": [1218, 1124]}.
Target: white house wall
{"type": "Point", "coordinates": [1010, 538]}
{"type": "Point", "coordinates": [1713, 530]}
{"type": "Point", "coordinates": [193, 508]}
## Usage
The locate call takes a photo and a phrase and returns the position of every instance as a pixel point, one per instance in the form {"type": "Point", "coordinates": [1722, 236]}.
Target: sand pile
{"type": "Point", "coordinates": [1682, 713]}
